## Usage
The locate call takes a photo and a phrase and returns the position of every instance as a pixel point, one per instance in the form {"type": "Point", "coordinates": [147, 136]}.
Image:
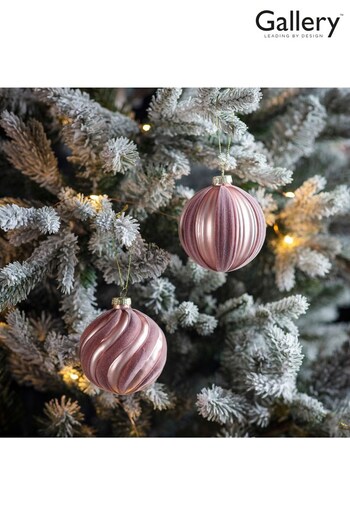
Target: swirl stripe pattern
{"type": "Point", "coordinates": [123, 351]}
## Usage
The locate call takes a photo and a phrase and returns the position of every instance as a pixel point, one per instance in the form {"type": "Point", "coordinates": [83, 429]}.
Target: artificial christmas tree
{"type": "Point", "coordinates": [93, 185]}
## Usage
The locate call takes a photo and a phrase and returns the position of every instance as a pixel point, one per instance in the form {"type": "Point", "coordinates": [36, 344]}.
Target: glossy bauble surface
{"type": "Point", "coordinates": [222, 228]}
{"type": "Point", "coordinates": [123, 351]}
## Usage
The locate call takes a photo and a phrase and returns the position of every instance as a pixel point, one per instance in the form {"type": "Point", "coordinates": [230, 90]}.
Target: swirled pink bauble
{"type": "Point", "coordinates": [123, 351]}
{"type": "Point", "coordinates": [222, 228]}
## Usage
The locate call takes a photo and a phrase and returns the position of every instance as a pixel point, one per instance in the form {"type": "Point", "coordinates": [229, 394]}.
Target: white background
{"type": "Point", "coordinates": [150, 481]}
{"type": "Point", "coordinates": [161, 43]}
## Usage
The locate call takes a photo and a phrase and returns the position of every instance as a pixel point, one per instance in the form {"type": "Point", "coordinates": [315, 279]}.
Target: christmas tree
{"type": "Point", "coordinates": [93, 185]}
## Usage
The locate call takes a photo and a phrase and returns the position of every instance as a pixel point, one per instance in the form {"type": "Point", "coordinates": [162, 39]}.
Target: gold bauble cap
{"type": "Point", "coordinates": [222, 179]}
{"type": "Point", "coordinates": [117, 302]}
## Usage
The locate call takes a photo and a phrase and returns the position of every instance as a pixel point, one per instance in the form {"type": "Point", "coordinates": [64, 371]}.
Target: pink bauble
{"type": "Point", "coordinates": [123, 350]}
{"type": "Point", "coordinates": [222, 227]}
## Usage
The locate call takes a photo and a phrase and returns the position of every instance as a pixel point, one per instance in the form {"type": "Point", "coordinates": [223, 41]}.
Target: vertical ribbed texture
{"type": "Point", "coordinates": [123, 351]}
{"type": "Point", "coordinates": [222, 228]}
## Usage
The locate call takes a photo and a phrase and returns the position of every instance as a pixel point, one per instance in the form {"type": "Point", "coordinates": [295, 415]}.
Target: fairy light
{"type": "Point", "coordinates": [289, 194]}
{"type": "Point", "coordinates": [285, 240]}
{"type": "Point", "coordinates": [288, 239]}
{"type": "Point", "coordinates": [96, 201]}
{"type": "Point", "coordinates": [65, 121]}
{"type": "Point", "coordinates": [69, 374]}
{"type": "Point", "coordinates": [146, 127]}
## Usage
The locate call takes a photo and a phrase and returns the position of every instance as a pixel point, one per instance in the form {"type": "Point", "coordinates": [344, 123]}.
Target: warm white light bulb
{"type": "Point", "coordinates": [146, 127]}
{"type": "Point", "coordinates": [289, 194]}
{"type": "Point", "coordinates": [288, 239]}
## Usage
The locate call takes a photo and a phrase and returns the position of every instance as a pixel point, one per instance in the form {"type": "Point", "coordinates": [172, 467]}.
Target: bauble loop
{"type": "Point", "coordinates": [123, 350]}
{"type": "Point", "coordinates": [222, 227]}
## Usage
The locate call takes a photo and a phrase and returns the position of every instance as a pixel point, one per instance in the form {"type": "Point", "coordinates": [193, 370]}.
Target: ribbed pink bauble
{"type": "Point", "coordinates": [222, 227]}
{"type": "Point", "coordinates": [123, 350]}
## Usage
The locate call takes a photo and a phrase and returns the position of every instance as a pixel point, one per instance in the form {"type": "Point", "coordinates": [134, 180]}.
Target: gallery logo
{"type": "Point", "coordinates": [294, 22]}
